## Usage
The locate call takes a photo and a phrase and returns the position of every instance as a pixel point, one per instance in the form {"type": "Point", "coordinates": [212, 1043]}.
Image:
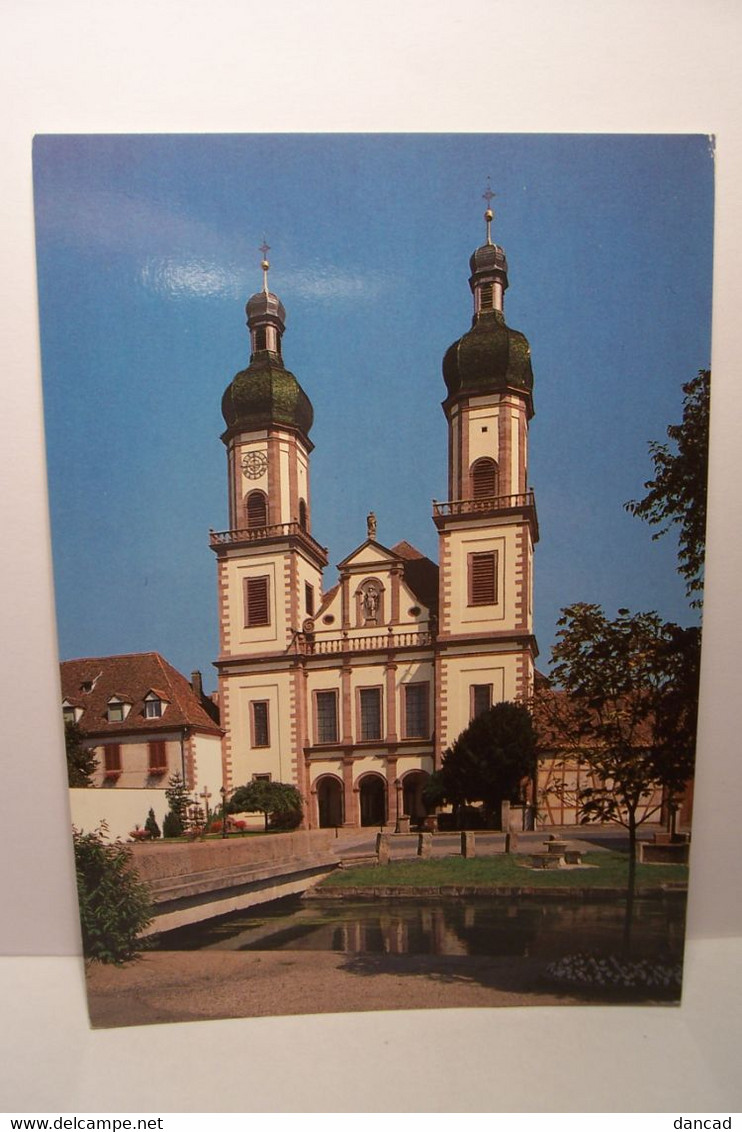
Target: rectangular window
{"type": "Point", "coordinates": [481, 699]}
{"type": "Point", "coordinates": [309, 599]}
{"type": "Point", "coordinates": [152, 709]}
{"type": "Point", "coordinates": [326, 708]}
{"type": "Point", "coordinates": [261, 778]}
{"type": "Point", "coordinates": [112, 759]}
{"type": "Point", "coordinates": [115, 713]}
{"type": "Point", "coordinates": [157, 757]}
{"type": "Point", "coordinates": [257, 606]}
{"type": "Point", "coordinates": [68, 714]}
{"type": "Point", "coordinates": [416, 699]}
{"type": "Point", "coordinates": [483, 578]}
{"type": "Point", "coordinates": [259, 721]}
{"type": "Point", "coordinates": [370, 712]}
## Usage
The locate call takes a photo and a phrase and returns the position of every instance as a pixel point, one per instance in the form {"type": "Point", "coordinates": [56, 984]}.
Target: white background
{"type": "Point", "coordinates": [389, 65]}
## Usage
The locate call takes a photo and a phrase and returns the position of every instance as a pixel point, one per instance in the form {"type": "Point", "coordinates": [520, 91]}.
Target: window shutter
{"type": "Point", "coordinates": [157, 757]}
{"type": "Point", "coordinates": [484, 479]}
{"type": "Point", "coordinates": [482, 579]}
{"type": "Point", "coordinates": [257, 514]}
{"type": "Point", "coordinates": [112, 757]}
{"type": "Point", "coordinates": [256, 602]}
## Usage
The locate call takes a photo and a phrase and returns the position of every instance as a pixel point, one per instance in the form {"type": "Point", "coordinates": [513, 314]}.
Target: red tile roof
{"type": "Point", "coordinates": [420, 574]}
{"type": "Point", "coordinates": [130, 678]}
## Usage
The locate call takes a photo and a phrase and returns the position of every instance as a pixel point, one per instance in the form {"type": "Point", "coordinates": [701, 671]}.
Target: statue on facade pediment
{"type": "Point", "coordinates": [371, 525]}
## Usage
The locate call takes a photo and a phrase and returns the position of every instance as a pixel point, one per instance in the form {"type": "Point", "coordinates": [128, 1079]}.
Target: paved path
{"type": "Point", "coordinates": [183, 986]}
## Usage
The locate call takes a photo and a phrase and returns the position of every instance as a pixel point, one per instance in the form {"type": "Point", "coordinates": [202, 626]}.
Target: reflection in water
{"type": "Point", "coordinates": [481, 926]}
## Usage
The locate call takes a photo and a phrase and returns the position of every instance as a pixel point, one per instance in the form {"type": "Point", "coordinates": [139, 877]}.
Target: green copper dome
{"type": "Point", "coordinates": [266, 394]}
{"type": "Point", "coordinates": [490, 358]}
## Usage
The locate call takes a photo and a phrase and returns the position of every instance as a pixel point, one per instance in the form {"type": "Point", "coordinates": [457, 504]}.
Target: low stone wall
{"type": "Point", "coordinates": [161, 860]}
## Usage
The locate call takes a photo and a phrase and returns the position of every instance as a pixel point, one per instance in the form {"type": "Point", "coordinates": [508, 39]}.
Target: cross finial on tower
{"type": "Point", "coordinates": [489, 196]}
{"type": "Point", "coordinates": [265, 248]}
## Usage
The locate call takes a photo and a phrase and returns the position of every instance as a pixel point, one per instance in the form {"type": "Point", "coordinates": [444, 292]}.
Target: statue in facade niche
{"type": "Point", "coordinates": [371, 603]}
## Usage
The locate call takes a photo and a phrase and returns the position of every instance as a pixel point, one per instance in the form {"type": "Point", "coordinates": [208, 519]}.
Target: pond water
{"type": "Point", "coordinates": [462, 926]}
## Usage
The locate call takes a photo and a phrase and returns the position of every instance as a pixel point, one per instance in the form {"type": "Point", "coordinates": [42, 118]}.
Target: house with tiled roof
{"type": "Point", "coordinates": [144, 721]}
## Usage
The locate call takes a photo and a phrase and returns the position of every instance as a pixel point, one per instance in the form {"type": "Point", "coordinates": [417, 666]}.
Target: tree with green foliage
{"type": "Point", "coordinates": [175, 821]}
{"type": "Point", "coordinates": [677, 494]}
{"type": "Point", "coordinates": [115, 905]}
{"type": "Point", "coordinates": [279, 801]}
{"type": "Point", "coordinates": [81, 761]}
{"type": "Point", "coordinates": [151, 825]}
{"type": "Point", "coordinates": [621, 679]}
{"type": "Point", "coordinates": [490, 759]}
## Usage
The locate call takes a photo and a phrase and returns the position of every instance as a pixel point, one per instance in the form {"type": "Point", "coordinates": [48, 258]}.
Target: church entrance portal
{"type": "Point", "coordinates": [373, 800]}
{"type": "Point", "coordinates": [330, 802]}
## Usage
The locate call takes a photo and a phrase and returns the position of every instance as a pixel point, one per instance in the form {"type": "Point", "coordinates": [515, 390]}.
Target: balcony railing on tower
{"type": "Point", "coordinates": [273, 531]}
{"type": "Point", "coordinates": [487, 506]}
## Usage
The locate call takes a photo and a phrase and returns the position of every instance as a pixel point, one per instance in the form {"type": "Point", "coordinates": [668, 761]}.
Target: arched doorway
{"type": "Point", "coordinates": [330, 802]}
{"type": "Point", "coordinates": [412, 800]}
{"type": "Point", "coordinates": [373, 800]}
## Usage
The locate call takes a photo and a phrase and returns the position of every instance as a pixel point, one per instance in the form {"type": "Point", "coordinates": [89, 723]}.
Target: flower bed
{"type": "Point", "coordinates": [612, 974]}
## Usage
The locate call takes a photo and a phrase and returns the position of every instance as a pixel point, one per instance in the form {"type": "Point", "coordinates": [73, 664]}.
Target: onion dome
{"type": "Point", "coordinates": [266, 393]}
{"type": "Point", "coordinates": [491, 357]}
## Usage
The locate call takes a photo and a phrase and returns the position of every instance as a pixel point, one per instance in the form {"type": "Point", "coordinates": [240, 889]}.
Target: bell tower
{"type": "Point", "coordinates": [269, 565]}
{"type": "Point", "coordinates": [487, 527]}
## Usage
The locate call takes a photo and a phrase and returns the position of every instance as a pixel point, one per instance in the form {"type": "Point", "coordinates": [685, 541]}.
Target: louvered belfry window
{"type": "Point", "coordinates": [487, 300]}
{"type": "Point", "coordinates": [483, 578]}
{"type": "Point", "coordinates": [484, 479]}
{"type": "Point", "coordinates": [257, 608]}
{"type": "Point", "coordinates": [257, 510]}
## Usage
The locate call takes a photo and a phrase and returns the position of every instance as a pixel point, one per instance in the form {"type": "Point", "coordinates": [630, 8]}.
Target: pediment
{"type": "Point", "coordinates": [368, 554]}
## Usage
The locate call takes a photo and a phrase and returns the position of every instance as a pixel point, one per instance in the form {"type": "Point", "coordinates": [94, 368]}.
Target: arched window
{"type": "Point", "coordinates": [483, 477]}
{"type": "Point", "coordinates": [302, 514]}
{"type": "Point", "coordinates": [256, 508]}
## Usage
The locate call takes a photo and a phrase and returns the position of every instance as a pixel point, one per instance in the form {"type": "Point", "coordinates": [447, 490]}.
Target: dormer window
{"type": "Point", "coordinates": [118, 710]}
{"type": "Point", "coordinates": [153, 706]}
{"type": "Point", "coordinates": [69, 714]}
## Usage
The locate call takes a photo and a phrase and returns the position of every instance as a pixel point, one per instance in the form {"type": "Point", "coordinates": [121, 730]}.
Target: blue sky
{"type": "Point", "coordinates": [147, 250]}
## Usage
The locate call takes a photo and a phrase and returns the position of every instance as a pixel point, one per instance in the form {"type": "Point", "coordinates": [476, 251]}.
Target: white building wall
{"type": "Point", "coordinates": [247, 759]}
{"type": "Point", "coordinates": [121, 809]}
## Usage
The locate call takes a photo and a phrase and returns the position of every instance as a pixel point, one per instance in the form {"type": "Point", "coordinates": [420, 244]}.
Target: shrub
{"type": "Point", "coordinates": [151, 825]}
{"type": "Point", "coordinates": [172, 826]}
{"type": "Point", "coordinates": [115, 906]}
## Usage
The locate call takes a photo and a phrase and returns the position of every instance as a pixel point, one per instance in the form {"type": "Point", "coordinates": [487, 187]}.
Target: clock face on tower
{"type": "Point", "coordinates": [254, 465]}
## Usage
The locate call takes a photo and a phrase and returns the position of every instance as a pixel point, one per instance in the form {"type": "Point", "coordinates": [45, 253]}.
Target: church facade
{"type": "Point", "coordinates": [353, 691]}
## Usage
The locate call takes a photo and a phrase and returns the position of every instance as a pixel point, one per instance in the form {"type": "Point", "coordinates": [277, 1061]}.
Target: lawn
{"type": "Point", "coordinates": [607, 870]}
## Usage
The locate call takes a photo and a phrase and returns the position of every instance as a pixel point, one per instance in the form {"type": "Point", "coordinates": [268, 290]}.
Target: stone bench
{"type": "Point", "coordinates": [663, 853]}
{"type": "Point", "coordinates": [545, 861]}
